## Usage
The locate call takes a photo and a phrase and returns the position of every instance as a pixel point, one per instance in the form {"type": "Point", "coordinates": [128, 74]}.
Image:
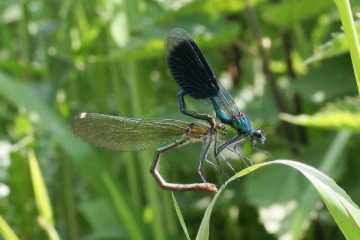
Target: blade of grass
{"type": "Point", "coordinates": [69, 206]}
{"type": "Point", "coordinates": [180, 216]}
{"type": "Point", "coordinates": [132, 76]}
{"type": "Point", "coordinates": [169, 215]}
{"type": "Point", "coordinates": [6, 231]}
{"type": "Point", "coordinates": [151, 189]}
{"type": "Point", "coordinates": [24, 95]}
{"type": "Point", "coordinates": [340, 114]}
{"type": "Point", "coordinates": [309, 198]}
{"type": "Point", "coordinates": [344, 211]}
{"type": "Point", "coordinates": [46, 219]}
{"type": "Point", "coordinates": [123, 209]}
{"type": "Point", "coordinates": [347, 21]}
{"type": "Point", "coordinates": [130, 165]}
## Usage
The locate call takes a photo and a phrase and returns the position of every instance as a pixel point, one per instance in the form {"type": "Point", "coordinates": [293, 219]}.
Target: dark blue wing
{"type": "Point", "coordinates": [189, 67]}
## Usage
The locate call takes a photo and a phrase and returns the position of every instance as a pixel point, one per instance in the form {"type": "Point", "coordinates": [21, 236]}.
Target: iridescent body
{"type": "Point", "coordinates": [228, 113]}
{"type": "Point", "coordinates": [134, 134]}
{"type": "Point", "coordinates": [196, 78]}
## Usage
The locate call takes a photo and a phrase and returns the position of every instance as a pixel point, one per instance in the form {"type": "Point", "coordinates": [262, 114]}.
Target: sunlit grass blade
{"type": "Point", "coordinates": [292, 12]}
{"type": "Point", "coordinates": [180, 216]}
{"type": "Point", "coordinates": [344, 211]}
{"type": "Point", "coordinates": [308, 200]}
{"type": "Point", "coordinates": [6, 232]}
{"type": "Point", "coordinates": [347, 21]}
{"type": "Point", "coordinates": [46, 219]}
{"type": "Point", "coordinates": [24, 95]}
{"type": "Point", "coordinates": [123, 209]}
{"type": "Point", "coordinates": [343, 114]}
{"type": "Point", "coordinates": [337, 45]}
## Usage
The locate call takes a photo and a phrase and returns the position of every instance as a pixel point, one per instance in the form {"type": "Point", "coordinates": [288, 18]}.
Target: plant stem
{"type": "Point", "coordinates": [347, 21]}
{"type": "Point", "coordinates": [151, 190]}
{"type": "Point", "coordinates": [254, 24]}
{"type": "Point", "coordinates": [149, 183]}
{"type": "Point", "coordinates": [122, 209]}
{"type": "Point", "coordinates": [131, 164]}
{"type": "Point", "coordinates": [287, 45]}
{"type": "Point", "coordinates": [69, 205]}
{"type": "Point", "coordinates": [280, 103]}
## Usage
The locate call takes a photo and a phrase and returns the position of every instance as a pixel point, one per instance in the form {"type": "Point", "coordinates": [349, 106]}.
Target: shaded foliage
{"type": "Point", "coordinates": [59, 58]}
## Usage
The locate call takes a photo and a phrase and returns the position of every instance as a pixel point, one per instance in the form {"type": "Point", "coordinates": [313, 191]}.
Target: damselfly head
{"type": "Point", "coordinates": [258, 136]}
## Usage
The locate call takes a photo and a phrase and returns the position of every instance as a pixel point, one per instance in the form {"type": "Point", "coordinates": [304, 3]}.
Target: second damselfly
{"type": "Point", "coordinates": [135, 134]}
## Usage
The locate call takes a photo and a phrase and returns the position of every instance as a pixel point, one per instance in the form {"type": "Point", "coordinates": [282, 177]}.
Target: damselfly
{"type": "Point", "coordinates": [134, 134]}
{"type": "Point", "coordinates": [192, 72]}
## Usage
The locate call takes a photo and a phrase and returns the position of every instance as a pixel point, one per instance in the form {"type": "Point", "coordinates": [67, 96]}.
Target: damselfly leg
{"type": "Point", "coordinates": [204, 155]}
{"type": "Point", "coordinates": [236, 141]}
{"type": "Point", "coordinates": [201, 116]}
{"type": "Point", "coordinates": [220, 158]}
{"type": "Point", "coordinates": [176, 186]}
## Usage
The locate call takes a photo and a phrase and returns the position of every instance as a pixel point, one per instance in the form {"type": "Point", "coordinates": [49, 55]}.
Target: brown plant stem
{"type": "Point", "coordinates": [279, 101]}
{"type": "Point", "coordinates": [298, 107]}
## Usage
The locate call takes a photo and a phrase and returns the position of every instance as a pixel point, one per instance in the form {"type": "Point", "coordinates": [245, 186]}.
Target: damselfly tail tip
{"type": "Point", "coordinates": [212, 188]}
{"type": "Point", "coordinates": [209, 187]}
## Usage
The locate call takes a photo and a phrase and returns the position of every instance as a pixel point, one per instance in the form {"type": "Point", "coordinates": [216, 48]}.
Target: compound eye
{"type": "Point", "coordinates": [258, 134]}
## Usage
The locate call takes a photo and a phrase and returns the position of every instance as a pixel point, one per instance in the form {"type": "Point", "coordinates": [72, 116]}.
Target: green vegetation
{"type": "Point", "coordinates": [288, 65]}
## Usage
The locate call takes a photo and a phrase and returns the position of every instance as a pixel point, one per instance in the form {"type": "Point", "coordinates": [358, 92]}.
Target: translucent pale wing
{"type": "Point", "coordinates": [126, 134]}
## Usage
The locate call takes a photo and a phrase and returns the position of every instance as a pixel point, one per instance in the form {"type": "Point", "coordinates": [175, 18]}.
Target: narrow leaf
{"type": "Point", "coordinates": [41, 195]}
{"type": "Point", "coordinates": [290, 12]}
{"type": "Point", "coordinates": [180, 216]}
{"type": "Point", "coordinates": [344, 211]}
{"type": "Point", "coordinates": [352, 38]}
{"type": "Point", "coordinates": [332, 48]}
{"type": "Point", "coordinates": [46, 219]}
{"type": "Point", "coordinates": [6, 232]}
{"type": "Point", "coordinates": [123, 209]}
{"type": "Point", "coordinates": [309, 198]}
{"type": "Point", "coordinates": [344, 114]}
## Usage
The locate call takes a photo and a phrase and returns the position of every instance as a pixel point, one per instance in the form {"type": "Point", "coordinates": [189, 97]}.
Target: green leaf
{"type": "Point", "coordinates": [27, 96]}
{"type": "Point", "coordinates": [123, 209]}
{"type": "Point", "coordinates": [352, 38]}
{"type": "Point", "coordinates": [308, 200]}
{"type": "Point", "coordinates": [344, 211]}
{"type": "Point", "coordinates": [46, 219]}
{"type": "Point", "coordinates": [102, 219]}
{"type": "Point", "coordinates": [147, 47]}
{"type": "Point", "coordinates": [291, 12]}
{"type": "Point", "coordinates": [217, 6]}
{"type": "Point", "coordinates": [334, 47]}
{"type": "Point", "coordinates": [323, 81]}
{"type": "Point", "coordinates": [6, 232]}
{"type": "Point", "coordinates": [207, 8]}
{"type": "Point", "coordinates": [180, 216]}
{"type": "Point", "coordinates": [344, 114]}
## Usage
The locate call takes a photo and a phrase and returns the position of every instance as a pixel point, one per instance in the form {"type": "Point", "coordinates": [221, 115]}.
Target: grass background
{"type": "Point", "coordinates": [59, 58]}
